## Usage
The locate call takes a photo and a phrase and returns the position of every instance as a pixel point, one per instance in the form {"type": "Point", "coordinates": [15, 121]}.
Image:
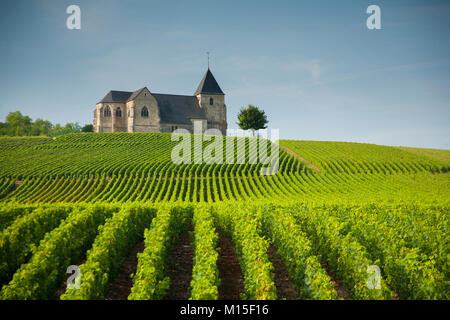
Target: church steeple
{"type": "Point", "coordinates": [208, 85]}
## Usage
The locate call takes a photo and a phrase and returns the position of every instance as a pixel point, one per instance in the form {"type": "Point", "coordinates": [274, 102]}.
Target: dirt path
{"type": "Point", "coordinates": [120, 286]}
{"type": "Point", "coordinates": [285, 290]}
{"type": "Point", "coordinates": [17, 184]}
{"type": "Point", "coordinates": [231, 281]}
{"type": "Point", "coordinates": [308, 163]}
{"type": "Point", "coordinates": [179, 269]}
{"type": "Point", "coordinates": [342, 293]}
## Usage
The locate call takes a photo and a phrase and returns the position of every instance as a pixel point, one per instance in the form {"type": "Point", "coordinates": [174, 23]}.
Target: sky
{"type": "Point", "coordinates": [313, 66]}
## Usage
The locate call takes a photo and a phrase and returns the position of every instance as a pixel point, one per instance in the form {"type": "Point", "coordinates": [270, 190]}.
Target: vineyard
{"type": "Point", "coordinates": [117, 206]}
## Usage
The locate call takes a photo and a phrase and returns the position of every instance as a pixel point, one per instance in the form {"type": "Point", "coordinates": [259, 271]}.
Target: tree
{"type": "Point", "coordinates": [41, 127]}
{"type": "Point", "coordinates": [252, 118]}
{"type": "Point", "coordinates": [72, 127]}
{"type": "Point", "coordinates": [68, 128]}
{"type": "Point", "coordinates": [18, 124]}
{"type": "Point", "coordinates": [88, 128]}
{"type": "Point", "coordinates": [3, 128]}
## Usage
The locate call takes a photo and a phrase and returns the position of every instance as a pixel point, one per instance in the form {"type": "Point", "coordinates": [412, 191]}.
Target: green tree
{"type": "Point", "coordinates": [88, 128]}
{"type": "Point", "coordinates": [68, 128]}
{"type": "Point", "coordinates": [18, 124]}
{"type": "Point", "coordinates": [252, 118]}
{"type": "Point", "coordinates": [72, 127]}
{"type": "Point", "coordinates": [41, 127]}
{"type": "Point", "coordinates": [3, 128]}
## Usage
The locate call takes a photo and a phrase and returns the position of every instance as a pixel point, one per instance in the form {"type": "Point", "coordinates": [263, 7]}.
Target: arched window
{"type": "Point", "coordinates": [211, 101]}
{"type": "Point", "coordinates": [107, 111]}
{"type": "Point", "coordinates": [144, 112]}
{"type": "Point", "coordinates": [118, 112]}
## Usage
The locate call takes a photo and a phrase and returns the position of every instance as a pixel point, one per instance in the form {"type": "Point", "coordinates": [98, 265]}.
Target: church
{"type": "Point", "coordinates": [144, 111]}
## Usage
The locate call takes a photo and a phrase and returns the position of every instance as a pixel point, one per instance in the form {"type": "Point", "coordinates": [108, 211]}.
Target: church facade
{"type": "Point", "coordinates": [144, 111]}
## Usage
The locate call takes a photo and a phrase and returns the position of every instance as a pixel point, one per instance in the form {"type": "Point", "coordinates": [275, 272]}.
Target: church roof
{"type": "Point", "coordinates": [121, 96]}
{"type": "Point", "coordinates": [178, 109]}
{"type": "Point", "coordinates": [172, 108]}
{"type": "Point", "coordinates": [135, 94]}
{"type": "Point", "coordinates": [117, 96]}
{"type": "Point", "coordinates": [208, 85]}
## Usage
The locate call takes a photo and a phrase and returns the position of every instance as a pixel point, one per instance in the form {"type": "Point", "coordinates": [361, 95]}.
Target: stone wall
{"type": "Point", "coordinates": [113, 123]}
{"type": "Point", "coordinates": [167, 127]}
{"type": "Point", "coordinates": [145, 124]}
{"type": "Point", "coordinates": [216, 113]}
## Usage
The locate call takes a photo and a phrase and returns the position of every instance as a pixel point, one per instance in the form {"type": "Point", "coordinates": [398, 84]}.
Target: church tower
{"type": "Point", "coordinates": [212, 99]}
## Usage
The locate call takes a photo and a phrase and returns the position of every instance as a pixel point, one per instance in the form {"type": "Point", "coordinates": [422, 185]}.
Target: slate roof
{"type": "Point", "coordinates": [178, 109]}
{"type": "Point", "coordinates": [208, 85]}
{"type": "Point", "coordinates": [172, 108]}
{"type": "Point", "coordinates": [116, 96]}
{"type": "Point", "coordinates": [135, 94]}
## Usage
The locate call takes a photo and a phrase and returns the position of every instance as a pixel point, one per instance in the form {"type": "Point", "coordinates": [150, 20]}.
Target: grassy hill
{"type": "Point", "coordinates": [333, 211]}
{"type": "Point", "coordinates": [435, 154]}
{"type": "Point", "coordinates": [369, 158]}
{"type": "Point", "coordinates": [138, 167]}
{"type": "Point", "coordinates": [109, 154]}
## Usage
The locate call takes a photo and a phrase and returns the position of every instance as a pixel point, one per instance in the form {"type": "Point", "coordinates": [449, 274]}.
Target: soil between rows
{"type": "Point", "coordinates": [341, 292]}
{"type": "Point", "coordinates": [120, 286]}
{"type": "Point", "coordinates": [285, 289]}
{"type": "Point", "coordinates": [231, 281]}
{"type": "Point", "coordinates": [179, 268]}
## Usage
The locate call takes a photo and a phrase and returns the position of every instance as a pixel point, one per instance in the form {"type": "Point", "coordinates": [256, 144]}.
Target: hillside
{"type": "Point", "coordinates": [132, 167]}
{"type": "Point", "coordinates": [369, 158]}
{"type": "Point", "coordinates": [436, 154]}
{"type": "Point", "coordinates": [140, 227]}
{"type": "Point", "coordinates": [104, 153]}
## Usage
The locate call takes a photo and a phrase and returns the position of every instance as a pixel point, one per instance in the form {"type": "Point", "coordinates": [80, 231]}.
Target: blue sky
{"type": "Point", "coordinates": [313, 66]}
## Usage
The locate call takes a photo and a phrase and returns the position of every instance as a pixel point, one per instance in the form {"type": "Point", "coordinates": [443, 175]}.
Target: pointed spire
{"type": "Point", "coordinates": [208, 85]}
